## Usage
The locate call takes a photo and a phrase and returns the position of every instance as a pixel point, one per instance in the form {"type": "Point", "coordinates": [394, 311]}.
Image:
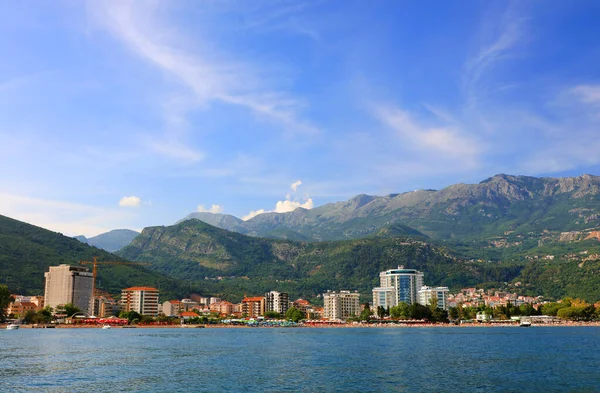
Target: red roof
{"type": "Point", "coordinates": [188, 314]}
{"type": "Point", "coordinates": [26, 304]}
{"type": "Point", "coordinates": [174, 301]}
{"type": "Point", "coordinates": [253, 299]}
{"type": "Point", "coordinates": [141, 289]}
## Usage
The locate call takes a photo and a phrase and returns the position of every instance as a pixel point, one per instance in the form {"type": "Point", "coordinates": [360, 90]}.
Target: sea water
{"type": "Point", "coordinates": [495, 359]}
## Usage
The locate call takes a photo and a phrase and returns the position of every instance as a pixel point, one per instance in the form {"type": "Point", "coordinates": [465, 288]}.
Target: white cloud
{"type": "Point", "coordinates": [295, 185]}
{"type": "Point", "coordinates": [449, 141]}
{"type": "Point", "coordinates": [254, 213]}
{"type": "Point", "coordinates": [588, 94]}
{"type": "Point", "coordinates": [500, 38]}
{"type": "Point", "coordinates": [213, 209]}
{"type": "Point", "coordinates": [284, 206]}
{"type": "Point", "coordinates": [210, 76]}
{"type": "Point", "coordinates": [130, 201]}
{"type": "Point", "coordinates": [289, 205]}
{"type": "Point", "coordinates": [65, 217]}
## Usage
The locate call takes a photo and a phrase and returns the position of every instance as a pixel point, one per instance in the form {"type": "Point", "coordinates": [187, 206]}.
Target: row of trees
{"type": "Point", "coordinates": [404, 311]}
{"type": "Point", "coordinates": [293, 314]}
{"type": "Point", "coordinates": [568, 309]}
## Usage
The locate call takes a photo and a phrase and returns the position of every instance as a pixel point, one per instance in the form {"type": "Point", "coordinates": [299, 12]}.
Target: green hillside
{"type": "Point", "coordinates": [26, 252]}
{"type": "Point", "coordinates": [231, 264]}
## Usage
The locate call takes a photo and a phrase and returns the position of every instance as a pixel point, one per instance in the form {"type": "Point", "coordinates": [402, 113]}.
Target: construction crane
{"type": "Point", "coordinates": [95, 269]}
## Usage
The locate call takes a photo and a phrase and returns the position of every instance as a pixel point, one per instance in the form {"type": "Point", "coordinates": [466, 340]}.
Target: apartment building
{"type": "Point", "coordinates": [341, 305]}
{"type": "Point", "coordinates": [253, 306]}
{"type": "Point", "coordinates": [439, 295]}
{"type": "Point", "coordinates": [143, 300]}
{"type": "Point", "coordinates": [277, 301]}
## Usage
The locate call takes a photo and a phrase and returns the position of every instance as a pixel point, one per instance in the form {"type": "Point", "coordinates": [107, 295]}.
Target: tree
{"type": "Point", "coordinates": [5, 300]}
{"type": "Point", "coordinates": [294, 314]}
{"type": "Point", "coordinates": [130, 315]}
{"type": "Point", "coordinates": [419, 311]}
{"type": "Point", "coordinates": [272, 314]}
{"type": "Point", "coordinates": [366, 313]}
{"type": "Point", "coordinates": [402, 311]}
{"type": "Point", "coordinates": [71, 309]}
{"type": "Point", "coordinates": [454, 313]}
{"type": "Point", "coordinates": [381, 311]}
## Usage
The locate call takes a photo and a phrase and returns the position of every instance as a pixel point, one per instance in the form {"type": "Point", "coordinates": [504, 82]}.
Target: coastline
{"type": "Point", "coordinates": [326, 326]}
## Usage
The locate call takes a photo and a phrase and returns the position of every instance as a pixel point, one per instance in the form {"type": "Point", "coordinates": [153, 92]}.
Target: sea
{"type": "Point", "coordinates": [471, 359]}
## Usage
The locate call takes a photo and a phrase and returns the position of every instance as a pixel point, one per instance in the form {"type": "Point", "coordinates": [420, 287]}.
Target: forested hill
{"type": "Point", "coordinates": [231, 264]}
{"type": "Point", "coordinates": [26, 252]}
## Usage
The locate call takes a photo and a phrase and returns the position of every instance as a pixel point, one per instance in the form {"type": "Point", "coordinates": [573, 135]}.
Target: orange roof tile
{"type": "Point", "coordinates": [140, 289]}
{"type": "Point", "coordinates": [188, 314]}
{"type": "Point", "coordinates": [253, 299]}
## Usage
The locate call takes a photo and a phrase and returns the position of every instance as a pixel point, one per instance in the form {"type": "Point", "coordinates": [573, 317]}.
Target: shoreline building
{"type": "Point", "coordinates": [277, 301]}
{"type": "Point", "coordinates": [397, 285]}
{"type": "Point", "coordinates": [253, 307]}
{"type": "Point", "coordinates": [440, 294]}
{"type": "Point", "coordinates": [143, 300]}
{"type": "Point", "coordinates": [69, 284]}
{"type": "Point", "coordinates": [341, 305]}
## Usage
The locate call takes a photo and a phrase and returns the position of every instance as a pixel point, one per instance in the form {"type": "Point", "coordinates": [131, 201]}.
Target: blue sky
{"type": "Point", "coordinates": [130, 114]}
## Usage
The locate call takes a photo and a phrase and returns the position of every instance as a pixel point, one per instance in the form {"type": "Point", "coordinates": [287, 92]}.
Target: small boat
{"type": "Point", "coordinates": [106, 327]}
{"type": "Point", "coordinates": [12, 326]}
{"type": "Point", "coordinates": [525, 324]}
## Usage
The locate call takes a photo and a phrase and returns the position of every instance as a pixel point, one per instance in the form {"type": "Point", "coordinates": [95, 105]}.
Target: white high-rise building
{"type": "Point", "coordinates": [341, 305]}
{"type": "Point", "coordinates": [69, 284]}
{"type": "Point", "coordinates": [397, 285]}
{"type": "Point", "coordinates": [426, 294]}
{"type": "Point", "coordinates": [277, 301]}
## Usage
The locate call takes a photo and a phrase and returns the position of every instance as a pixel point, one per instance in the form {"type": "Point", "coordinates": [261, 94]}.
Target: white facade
{"type": "Point", "coordinates": [397, 285]}
{"type": "Point", "coordinates": [277, 301]}
{"type": "Point", "coordinates": [69, 284]}
{"type": "Point", "coordinates": [143, 300]}
{"type": "Point", "coordinates": [341, 305]}
{"type": "Point", "coordinates": [426, 294]}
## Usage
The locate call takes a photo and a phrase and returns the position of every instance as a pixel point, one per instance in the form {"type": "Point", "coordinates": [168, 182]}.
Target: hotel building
{"type": "Point", "coordinates": [69, 284]}
{"type": "Point", "coordinates": [253, 306]}
{"type": "Point", "coordinates": [277, 301]}
{"type": "Point", "coordinates": [143, 300]}
{"type": "Point", "coordinates": [341, 305]}
{"type": "Point", "coordinates": [397, 285]}
{"type": "Point", "coordinates": [440, 294]}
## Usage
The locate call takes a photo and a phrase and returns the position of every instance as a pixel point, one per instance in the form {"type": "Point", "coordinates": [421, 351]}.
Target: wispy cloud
{"type": "Point", "coordinates": [575, 140]}
{"type": "Point", "coordinates": [211, 76]}
{"type": "Point", "coordinates": [588, 94]}
{"type": "Point", "coordinates": [447, 140]}
{"type": "Point", "coordinates": [501, 36]}
{"type": "Point", "coordinates": [65, 217]}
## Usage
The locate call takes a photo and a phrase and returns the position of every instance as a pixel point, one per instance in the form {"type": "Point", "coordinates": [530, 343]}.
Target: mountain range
{"type": "Point", "coordinates": [500, 204]}
{"type": "Point", "coordinates": [538, 236]}
{"type": "Point", "coordinates": [110, 241]}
